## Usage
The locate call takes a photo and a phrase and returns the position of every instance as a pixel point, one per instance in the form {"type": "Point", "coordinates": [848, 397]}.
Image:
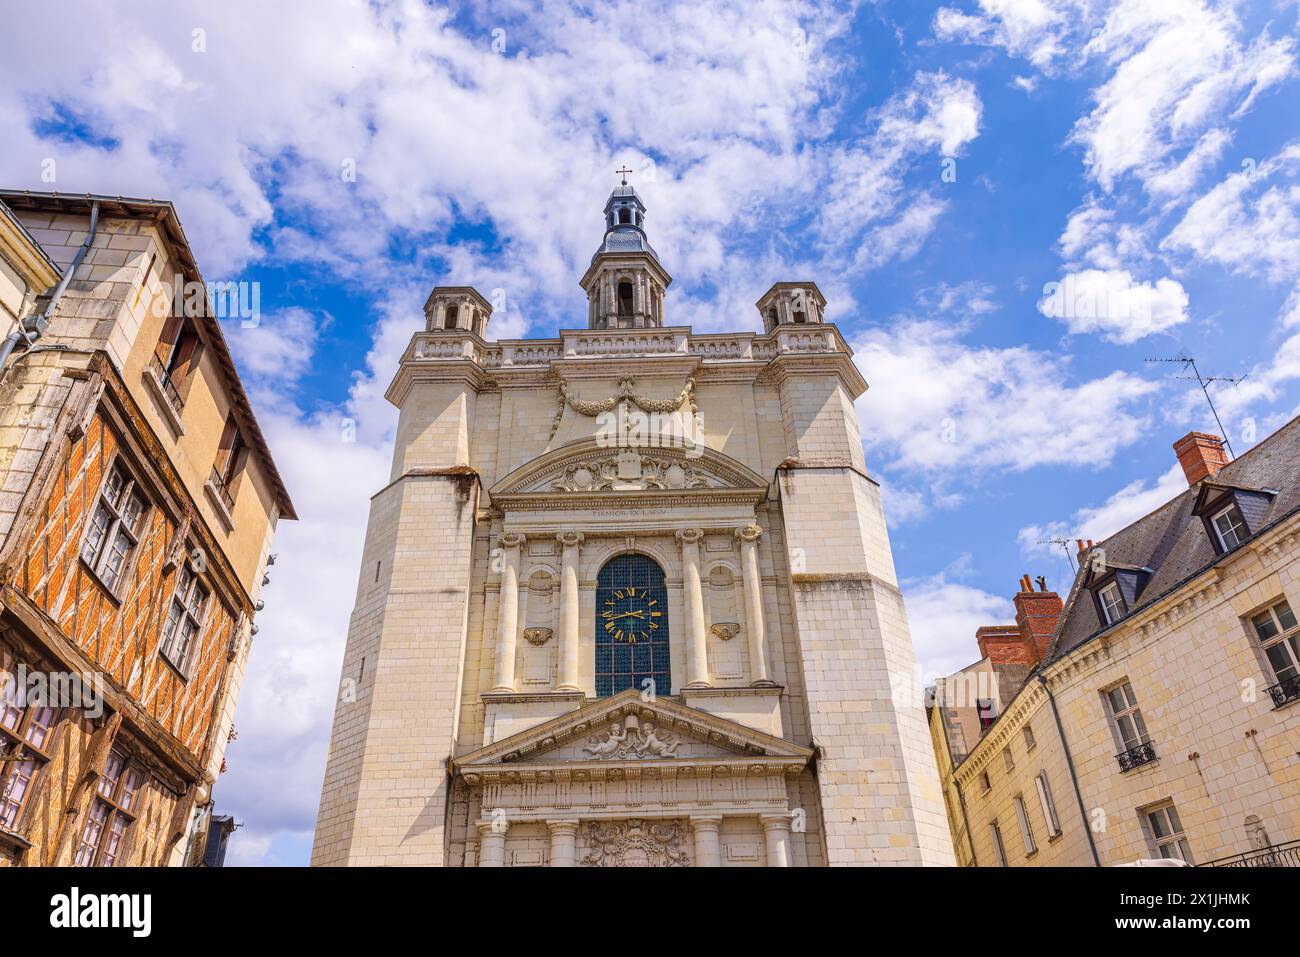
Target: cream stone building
{"type": "Point", "coordinates": [1159, 717]}
{"type": "Point", "coordinates": [628, 599]}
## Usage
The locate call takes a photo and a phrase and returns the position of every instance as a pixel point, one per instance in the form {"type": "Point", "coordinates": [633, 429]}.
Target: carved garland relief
{"type": "Point", "coordinates": [626, 393]}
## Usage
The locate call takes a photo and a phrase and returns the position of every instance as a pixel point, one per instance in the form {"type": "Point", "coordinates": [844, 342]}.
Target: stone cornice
{"type": "Point", "coordinates": [460, 355]}
{"type": "Point", "coordinates": [750, 747]}
{"type": "Point", "coordinates": [542, 772]}
{"type": "Point", "coordinates": [1023, 706]}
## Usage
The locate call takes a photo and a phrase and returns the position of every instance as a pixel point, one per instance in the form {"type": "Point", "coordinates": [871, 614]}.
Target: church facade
{"type": "Point", "coordinates": [628, 600]}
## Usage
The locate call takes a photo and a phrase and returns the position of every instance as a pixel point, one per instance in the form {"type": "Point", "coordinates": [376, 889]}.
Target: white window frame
{"type": "Point", "coordinates": [1173, 843]}
{"type": "Point", "coordinates": [1044, 788]}
{"type": "Point", "coordinates": [183, 626]}
{"type": "Point", "coordinates": [1130, 713]}
{"type": "Point", "coordinates": [118, 528]}
{"type": "Point", "coordinates": [1109, 612]}
{"type": "Point", "coordinates": [1238, 528]}
{"type": "Point", "coordinates": [1026, 829]}
{"type": "Point", "coordinates": [1287, 638]}
{"type": "Point", "coordinates": [999, 848]}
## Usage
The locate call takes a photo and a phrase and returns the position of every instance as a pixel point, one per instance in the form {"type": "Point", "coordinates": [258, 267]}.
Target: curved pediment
{"type": "Point", "coordinates": [590, 466]}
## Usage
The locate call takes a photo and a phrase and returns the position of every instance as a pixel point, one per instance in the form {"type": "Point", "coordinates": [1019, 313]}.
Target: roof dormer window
{"type": "Point", "coordinates": [1112, 603]}
{"type": "Point", "coordinates": [1230, 527]}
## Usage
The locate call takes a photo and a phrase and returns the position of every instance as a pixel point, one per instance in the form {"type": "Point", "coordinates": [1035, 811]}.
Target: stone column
{"type": "Point", "coordinates": [697, 648]}
{"type": "Point", "coordinates": [756, 633]}
{"type": "Point", "coordinates": [569, 610]}
{"type": "Point", "coordinates": [508, 612]}
{"type": "Point", "coordinates": [564, 843]}
{"type": "Point", "coordinates": [492, 843]}
{"type": "Point", "coordinates": [708, 847]}
{"type": "Point", "coordinates": [776, 827]}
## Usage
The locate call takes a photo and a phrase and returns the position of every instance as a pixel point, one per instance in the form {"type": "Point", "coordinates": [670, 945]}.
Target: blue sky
{"type": "Point", "coordinates": [1143, 154]}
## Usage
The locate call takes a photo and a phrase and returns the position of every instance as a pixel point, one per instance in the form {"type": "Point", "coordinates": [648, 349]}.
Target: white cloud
{"type": "Point", "coordinates": [941, 406]}
{"type": "Point", "coordinates": [963, 300]}
{"type": "Point", "coordinates": [1249, 222]}
{"type": "Point", "coordinates": [943, 616]}
{"type": "Point", "coordinates": [1094, 238]}
{"type": "Point", "coordinates": [1178, 180]}
{"type": "Point", "coordinates": [1033, 29]}
{"type": "Point", "coordinates": [1098, 522]}
{"type": "Point", "coordinates": [273, 350]}
{"type": "Point", "coordinates": [868, 206]}
{"type": "Point", "coordinates": [1177, 72]}
{"type": "Point", "coordinates": [1114, 305]}
{"type": "Point", "coordinates": [1176, 69]}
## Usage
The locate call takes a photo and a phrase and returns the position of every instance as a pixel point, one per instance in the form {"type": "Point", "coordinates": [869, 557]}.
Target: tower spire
{"type": "Point", "coordinates": [625, 283]}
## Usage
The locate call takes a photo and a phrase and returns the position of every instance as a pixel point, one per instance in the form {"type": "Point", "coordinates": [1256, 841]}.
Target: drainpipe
{"type": "Point", "coordinates": [970, 838]}
{"type": "Point", "coordinates": [1074, 777]}
{"type": "Point", "coordinates": [33, 327]}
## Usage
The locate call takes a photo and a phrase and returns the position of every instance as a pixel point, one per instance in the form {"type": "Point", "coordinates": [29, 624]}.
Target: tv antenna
{"type": "Point", "coordinates": [1065, 544]}
{"type": "Point", "coordinates": [1204, 382]}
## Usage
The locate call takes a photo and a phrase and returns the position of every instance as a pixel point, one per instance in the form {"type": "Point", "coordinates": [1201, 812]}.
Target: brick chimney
{"type": "Point", "coordinates": [1004, 645]}
{"type": "Point", "coordinates": [1201, 455]}
{"type": "Point", "coordinates": [1037, 613]}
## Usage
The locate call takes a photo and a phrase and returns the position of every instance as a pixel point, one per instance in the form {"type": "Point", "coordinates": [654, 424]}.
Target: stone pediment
{"type": "Point", "coordinates": [625, 732]}
{"type": "Point", "coordinates": [591, 467]}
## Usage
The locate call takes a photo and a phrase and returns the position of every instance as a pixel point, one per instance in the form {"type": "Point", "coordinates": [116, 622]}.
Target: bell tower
{"type": "Point", "coordinates": [791, 303]}
{"type": "Point", "coordinates": [625, 283]}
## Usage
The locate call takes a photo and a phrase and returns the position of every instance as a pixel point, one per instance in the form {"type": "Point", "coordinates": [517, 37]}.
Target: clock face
{"type": "Point", "coordinates": [632, 614]}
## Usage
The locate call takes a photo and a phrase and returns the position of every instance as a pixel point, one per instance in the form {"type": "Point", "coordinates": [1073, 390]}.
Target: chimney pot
{"type": "Point", "coordinates": [1201, 455]}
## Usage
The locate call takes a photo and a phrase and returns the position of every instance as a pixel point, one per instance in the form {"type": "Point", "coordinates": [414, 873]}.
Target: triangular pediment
{"type": "Point", "coordinates": [590, 466]}
{"type": "Point", "coordinates": [629, 729]}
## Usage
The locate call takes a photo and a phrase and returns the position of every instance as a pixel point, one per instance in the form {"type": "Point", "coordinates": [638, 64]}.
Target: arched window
{"type": "Point", "coordinates": [450, 322]}
{"type": "Point", "coordinates": [625, 216]}
{"type": "Point", "coordinates": [631, 627]}
{"type": "Point", "coordinates": [625, 298]}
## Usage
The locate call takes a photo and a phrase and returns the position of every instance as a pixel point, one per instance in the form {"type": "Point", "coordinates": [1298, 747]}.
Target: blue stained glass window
{"type": "Point", "coordinates": [631, 627]}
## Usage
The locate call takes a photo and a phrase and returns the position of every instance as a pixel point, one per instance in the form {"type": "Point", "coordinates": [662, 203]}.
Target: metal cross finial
{"type": "Point", "coordinates": [623, 172]}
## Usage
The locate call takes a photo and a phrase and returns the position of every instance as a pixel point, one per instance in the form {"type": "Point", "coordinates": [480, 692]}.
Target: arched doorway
{"type": "Point", "coordinates": [632, 627]}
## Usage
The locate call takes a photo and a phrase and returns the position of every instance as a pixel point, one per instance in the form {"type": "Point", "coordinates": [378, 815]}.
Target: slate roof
{"type": "Point", "coordinates": [1174, 543]}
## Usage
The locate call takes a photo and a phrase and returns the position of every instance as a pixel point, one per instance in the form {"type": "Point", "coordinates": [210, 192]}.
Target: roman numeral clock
{"type": "Point", "coordinates": [632, 626]}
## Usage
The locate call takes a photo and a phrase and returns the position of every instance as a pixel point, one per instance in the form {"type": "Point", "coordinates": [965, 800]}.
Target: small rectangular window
{"type": "Point", "coordinates": [1128, 717]}
{"type": "Point", "coordinates": [999, 849]}
{"type": "Point", "coordinates": [1167, 833]}
{"type": "Point", "coordinates": [1008, 760]}
{"type": "Point", "coordinates": [1026, 831]}
{"type": "Point", "coordinates": [1048, 805]}
{"type": "Point", "coordinates": [985, 784]}
{"type": "Point", "coordinates": [1112, 603]}
{"type": "Point", "coordinates": [26, 729]}
{"type": "Point", "coordinates": [115, 527]}
{"type": "Point", "coordinates": [103, 836]}
{"type": "Point", "coordinates": [1230, 527]}
{"type": "Point", "coordinates": [184, 618]}
{"type": "Point", "coordinates": [1279, 639]}
{"type": "Point", "coordinates": [1030, 743]}
{"type": "Point", "coordinates": [228, 463]}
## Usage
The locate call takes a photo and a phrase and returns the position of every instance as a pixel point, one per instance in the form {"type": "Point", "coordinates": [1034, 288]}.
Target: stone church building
{"type": "Point", "coordinates": [628, 600]}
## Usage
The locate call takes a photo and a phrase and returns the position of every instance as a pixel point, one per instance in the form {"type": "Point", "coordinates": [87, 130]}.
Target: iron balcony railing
{"type": "Point", "coordinates": [1136, 757]}
{"type": "Point", "coordinates": [1276, 855]}
{"type": "Point", "coordinates": [1288, 689]}
{"type": "Point", "coordinates": [219, 484]}
{"type": "Point", "coordinates": [169, 387]}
